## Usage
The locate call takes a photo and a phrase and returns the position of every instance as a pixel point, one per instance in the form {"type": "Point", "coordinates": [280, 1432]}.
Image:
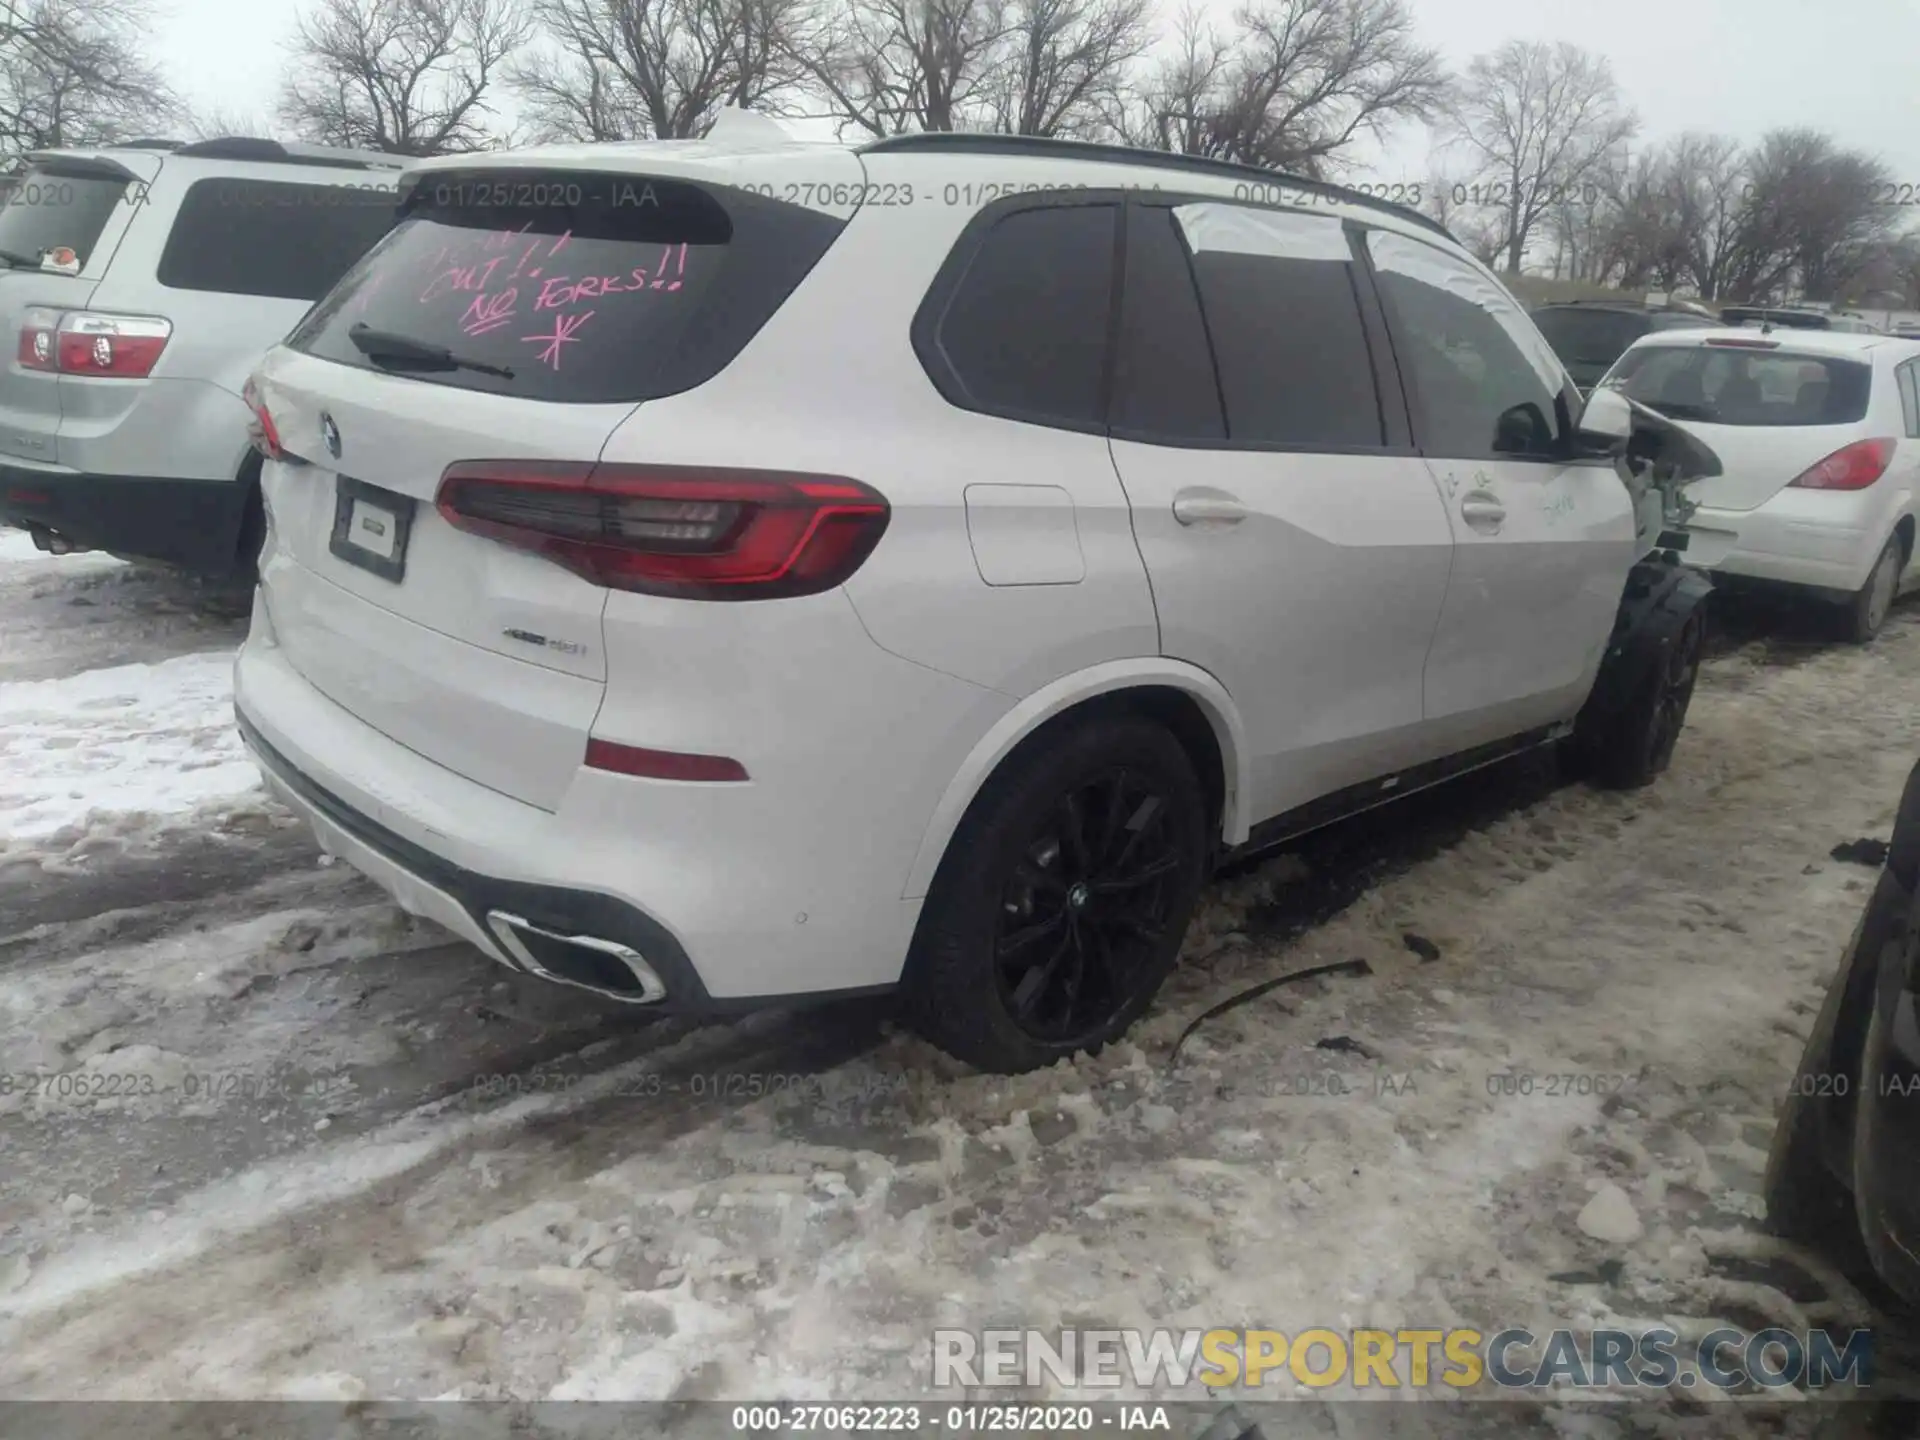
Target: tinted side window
{"type": "Point", "coordinates": [1277, 289]}
{"type": "Point", "coordinates": [272, 238]}
{"type": "Point", "coordinates": [1910, 397]}
{"type": "Point", "coordinates": [1484, 381]}
{"type": "Point", "coordinates": [1164, 385]}
{"type": "Point", "coordinates": [1024, 334]}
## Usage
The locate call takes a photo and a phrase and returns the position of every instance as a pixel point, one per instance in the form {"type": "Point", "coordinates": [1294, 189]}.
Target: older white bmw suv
{"type": "Point", "coordinates": [718, 573]}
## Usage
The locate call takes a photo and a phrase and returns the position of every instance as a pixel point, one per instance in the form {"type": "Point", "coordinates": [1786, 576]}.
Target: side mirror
{"type": "Point", "coordinates": [1606, 422]}
{"type": "Point", "coordinates": [1522, 430]}
{"type": "Point", "coordinates": [1676, 453]}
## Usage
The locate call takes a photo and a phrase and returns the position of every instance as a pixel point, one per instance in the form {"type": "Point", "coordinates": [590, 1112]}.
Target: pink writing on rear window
{"type": "Point", "coordinates": [565, 332]}
{"type": "Point", "coordinates": [470, 278]}
{"type": "Point", "coordinates": [489, 312]}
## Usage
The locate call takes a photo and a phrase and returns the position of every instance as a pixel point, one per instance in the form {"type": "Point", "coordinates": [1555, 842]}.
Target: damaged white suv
{"type": "Point", "coordinates": [719, 573]}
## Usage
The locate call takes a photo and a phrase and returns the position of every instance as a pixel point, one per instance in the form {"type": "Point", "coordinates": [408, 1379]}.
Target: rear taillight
{"type": "Point", "coordinates": [696, 534]}
{"type": "Point", "coordinates": [86, 342]}
{"type": "Point", "coordinates": [262, 433]}
{"type": "Point", "coordinates": [1853, 467]}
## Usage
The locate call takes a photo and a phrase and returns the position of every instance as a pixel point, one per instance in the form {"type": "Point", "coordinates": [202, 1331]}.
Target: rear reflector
{"type": "Point", "coordinates": [661, 764]}
{"type": "Point", "coordinates": [1854, 467]}
{"type": "Point", "coordinates": [693, 534]}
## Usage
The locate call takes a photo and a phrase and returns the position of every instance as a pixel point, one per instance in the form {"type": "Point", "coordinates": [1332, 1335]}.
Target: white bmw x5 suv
{"type": "Point", "coordinates": [716, 573]}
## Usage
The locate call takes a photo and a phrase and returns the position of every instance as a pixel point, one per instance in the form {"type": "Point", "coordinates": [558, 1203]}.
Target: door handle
{"type": "Point", "coordinates": [1199, 508]}
{"type": "Point", "coordinates": [1483, 511]}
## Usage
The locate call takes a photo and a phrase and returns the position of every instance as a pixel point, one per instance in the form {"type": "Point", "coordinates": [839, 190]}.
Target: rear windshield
{"type": "Point", "coordinates": [45, 210]}
{"type": "Point", "coordinates": [1723, 386]}
{"type": "Point", "coordinates": [587, 287]}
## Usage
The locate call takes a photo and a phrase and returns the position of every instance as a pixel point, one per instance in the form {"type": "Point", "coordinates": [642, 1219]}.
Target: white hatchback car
{"type": "Point", "coordinates": [716, 573]}
{"type": "Point", "coordinates": [1819, 436]}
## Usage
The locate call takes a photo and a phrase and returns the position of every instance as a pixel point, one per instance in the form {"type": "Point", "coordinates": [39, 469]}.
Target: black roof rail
{"type": "Point", "coordinates": [253, 147]}
{"type": "Point", "coordinates": [147, 144]}
{"type": "Point", "coordinates": [964, 142]}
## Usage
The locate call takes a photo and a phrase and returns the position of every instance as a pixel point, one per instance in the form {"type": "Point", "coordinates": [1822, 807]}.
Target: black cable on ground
{"type": "Point", "coordinates": [1351, 967]}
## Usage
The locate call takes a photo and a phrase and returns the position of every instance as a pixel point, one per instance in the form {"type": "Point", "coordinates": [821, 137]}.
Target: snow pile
{"type": "Point", "coordinates": [131, 740]}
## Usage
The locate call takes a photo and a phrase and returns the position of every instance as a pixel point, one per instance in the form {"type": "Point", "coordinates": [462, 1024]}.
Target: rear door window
{"type": "Point", "coordinates": [1729, 385]}
{"type": "Point", "coordinates": [272, 238]}
{"type": "Point", "coordinates": [1023, 333]}
{"type": "Point", "coordinates": [585, 288]}
{"type": "Point", "coordinates": [1277, 291]}
{"type": "Point", "coordinates": [1910, 397]}
{"type": "Point", "coordinates": [46, 209]}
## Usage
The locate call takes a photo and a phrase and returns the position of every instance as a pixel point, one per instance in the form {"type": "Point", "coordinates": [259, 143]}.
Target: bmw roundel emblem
{"type": "Point", "coordinates": [330, 433]}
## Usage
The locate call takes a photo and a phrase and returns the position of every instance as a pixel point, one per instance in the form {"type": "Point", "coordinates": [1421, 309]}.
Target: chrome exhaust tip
{"type": "Point", "coordinates": [49, 541]}
{"type": "Point", "coordinates": [586, 962]}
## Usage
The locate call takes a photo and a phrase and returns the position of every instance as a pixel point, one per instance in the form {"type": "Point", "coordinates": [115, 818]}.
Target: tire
{"type": "Point", "coordinates": [1867, 611]}
{"type": "Point", "coordinates": [1032, 948]}
{"type": "Point", "coordinates": [1806, 1202]}
{"type": "Point", "coordinates": [1634, 746]}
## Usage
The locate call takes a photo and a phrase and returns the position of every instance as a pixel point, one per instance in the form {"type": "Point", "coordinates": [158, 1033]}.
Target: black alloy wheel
{"type": "Point", "coordinates": [1087, 907]}
{"type": "Point", "coordinates": [1062, 900]}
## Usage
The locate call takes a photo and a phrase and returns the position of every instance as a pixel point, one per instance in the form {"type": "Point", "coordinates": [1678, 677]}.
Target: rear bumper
{"type": "Point", "coordinates": [460, 900]}
{"type": "Point", "coordinates": [195, 524]}
{"type": "Point", "coordinates": [1806, 538]}
{"type": "Point", "coordinates": [702, 882]}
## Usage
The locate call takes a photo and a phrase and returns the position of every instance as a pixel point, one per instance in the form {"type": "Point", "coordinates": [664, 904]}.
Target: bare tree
{"type": "Point", "coordinates": [1065, 65]}
{"type": "Point", "coordinates": [71, 73]}
{"type": "Point", "coordinates": [1810, 213]}
{"type": "Point", "coordinates": [890, 67]}
{"type": "Point", "coordinates": [220, 122]}
{"type": "Point", "coordinates": [1450, 201]}
{"type": "Point", "coordinates": [1626, 219]}
{"type": "Point", "coordinates": [1538, 119]}
{"type": "Point", "coordinates": [656, 69]}
{"type": "Point", "coordinates": [1291, 87]}
{"type": "Point", "coordinates": [408, 77]}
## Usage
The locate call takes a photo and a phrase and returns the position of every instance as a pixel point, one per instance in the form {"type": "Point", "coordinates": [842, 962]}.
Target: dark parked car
{"type": "Point", "coordinates": [1589, 335]}
{"type": "Point", "coordinates": [1844, 1176]}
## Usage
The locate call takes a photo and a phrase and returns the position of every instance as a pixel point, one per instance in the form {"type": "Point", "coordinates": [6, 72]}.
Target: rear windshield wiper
{"type": "Point", "coordinates": [384, 347]}
{"type": "Point", "coordinates": [21, 262]}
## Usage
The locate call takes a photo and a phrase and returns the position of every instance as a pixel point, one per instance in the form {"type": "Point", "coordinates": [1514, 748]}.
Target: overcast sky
{"type": "Point", "coordinates": [1738, 67]}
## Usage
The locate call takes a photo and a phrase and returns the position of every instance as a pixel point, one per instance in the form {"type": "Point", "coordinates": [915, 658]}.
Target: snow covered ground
{"type": "Point", "coordinates": [306, 1147]}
